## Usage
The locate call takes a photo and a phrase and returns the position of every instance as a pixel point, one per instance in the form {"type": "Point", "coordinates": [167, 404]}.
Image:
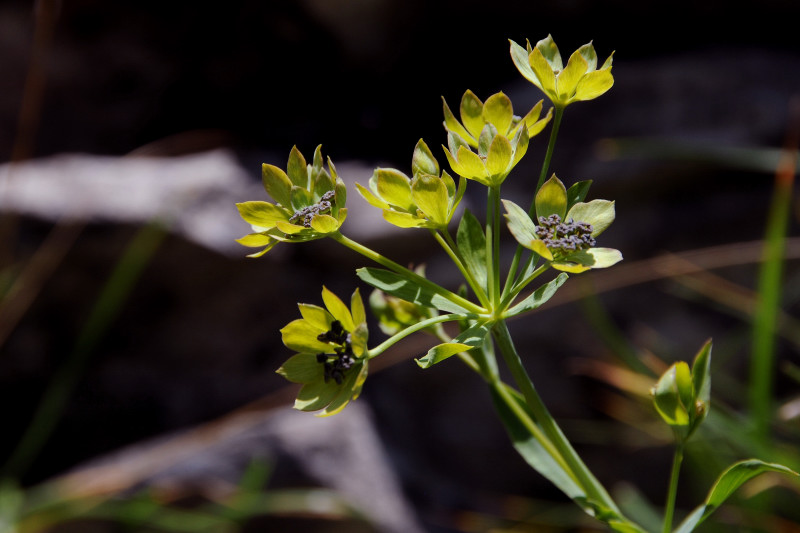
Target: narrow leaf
{"type": "Point", "coordinates": [539, 296]}
{"type": "Point", "coordinates": [471, 242]}
{"type": "Point", "coordinates": [407, 289]}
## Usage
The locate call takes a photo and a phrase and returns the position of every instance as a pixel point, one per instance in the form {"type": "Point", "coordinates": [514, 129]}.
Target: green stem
{"type": "Point", "coordinates": [391, 265]}
{"type": "Point", "coordinates": [551, 145]}
{"type": "Point", "coordinates": [385, 345]}
{"type": "Point", "coordinates": [669, 511]}
{"type": "Point", "coordinates": [451, 250]}
{"type": "Point", "coordinates": [519, 287]}
{"type": "Point", "coordinates": [493, 245]}
{"type": "Point", "coordinates": [594, 490]}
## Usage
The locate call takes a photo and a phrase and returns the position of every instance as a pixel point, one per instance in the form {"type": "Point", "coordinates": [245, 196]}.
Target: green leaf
{"type": "Point", "coordinates": [599, 213]}
{"type": "Point", "coordinates": [297, 169]}
{"type": "Point", "coordinates": [430, 194]}
{"type": "Point", "coordinates": [730, 480]}
{"type": "Point", "coordinates": [551, 199]}
{"type": "Point", "coordinates": [472, 113]}
{"type": "Point", "coordinates": [467, 340]}
{"type": "Point", "coordinates": [423, 160]}
{"type": "Point", "coordinates": [577, 192]}
{"type": "Point", "coordinates": [471, 242]}
{"type": "Point", "coordinates": [520, 224]}
{"type": "Point", "coordinates": [510, 407]}
{"type": "Point", "coordinates": [277, 184]}
{"type": "Point", "coordinates": [499, 111]}
{"type": "Point", "coordinates": [539, 296]}
{"type": "Point", "coordinates": [408, 289]}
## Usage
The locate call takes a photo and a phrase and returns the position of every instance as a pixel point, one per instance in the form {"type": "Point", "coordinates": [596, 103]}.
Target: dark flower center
{"type": "Point", "coordinates": [335, 365]}
{"type": "Point", "coordinates": [307, 214]}
{"type": "Point", "coordinates": [565, 237]}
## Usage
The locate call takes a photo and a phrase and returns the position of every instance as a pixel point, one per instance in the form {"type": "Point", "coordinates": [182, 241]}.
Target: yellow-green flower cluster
{"type": "Point", "coordinates": [426, 200]}
{"type": "Point", "coordinates": [310, 203]}
{"type": "Point", "coordinates": [331, 362]}
{"type": "Point", "coordinates": [500, 137]}
{"type": "Point", "coordinates": [579, 80]}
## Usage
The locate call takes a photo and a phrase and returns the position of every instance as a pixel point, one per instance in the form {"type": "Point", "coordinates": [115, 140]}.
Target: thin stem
{"type": "Point", "coordinates": [385, 345]}
{"type": "Point", "coordinates": [452, 252]}
{"type": "Point", "coordinates": [669, 510]}
{"type": "Point", "coordinates": [521, 285]}
{"type": "Point", "coordinates": [391, 265]}
{"type": "Point", "coordinates": [588, 482]}
{"type": "Point", "coordinates": [493, 245]}
{"type": "Point", "coordinates": [551, 145]}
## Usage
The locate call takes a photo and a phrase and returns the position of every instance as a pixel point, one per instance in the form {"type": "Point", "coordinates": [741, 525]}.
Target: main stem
{"type": "Point", "coordinates": [669, 510]}
{"type": "Point", "coordinates": [543, 417]}
{"type": "Point", "coordinates": [493, 245]}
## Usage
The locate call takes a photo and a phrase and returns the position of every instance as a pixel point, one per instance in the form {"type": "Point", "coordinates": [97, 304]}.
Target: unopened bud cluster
{"type": "Point", "coordinates": [567, 236]}
{"type": "Point", "coordinates": [307, 214]}
{"type": "Point", "coordinates": [336, 365]}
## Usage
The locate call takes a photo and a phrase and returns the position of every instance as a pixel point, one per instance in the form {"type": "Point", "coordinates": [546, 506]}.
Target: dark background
{"type": "Point", "coordinates": [198, 337]}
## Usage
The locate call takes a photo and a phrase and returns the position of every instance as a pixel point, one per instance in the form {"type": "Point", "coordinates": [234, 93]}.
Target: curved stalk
{"type": "Point", "coordinates": [385, 345]}
{"type": "Point", "coordinates": [669, 510]}
{"type": "Point", "coordinates": [586, 479]}
{"type": "Point", "coordinates": [452, 252]}
{"type": "Point", "coordinates": [395, 267]}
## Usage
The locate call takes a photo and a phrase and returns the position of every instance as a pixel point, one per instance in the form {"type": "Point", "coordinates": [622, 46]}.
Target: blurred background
{"type": "Point", "coordinates": [138, 345]}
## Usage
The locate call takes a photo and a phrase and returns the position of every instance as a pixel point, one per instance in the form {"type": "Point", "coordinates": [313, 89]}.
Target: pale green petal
{"type": "Point", "coordinates": [449, 184]}
{"type": "Point", "coordinates": [315, 396]}
{"type": "Point", "coordinates": [541, 248]}
{"type": "Point", "coordinates": [472, 113]}
{"type": "Point", "coordinates": [520, 58]}
{"type": "Point", "coordinates": [544, 72]}
{"type": "Point", "coordinates": [296, 169]}
{"type": "Point", "coordinates": [289, 228]}
{"type": "Point", "coordinates": [594, 84]}
{"type": "Point", "coordinates": [537, 127]}
{"type": "Point", "coordinates": [471, 164]}
{"type": "Point", "coordinates": [551, 199]}
{"type": "Point", "coordinates": [500, 154]}
{"type": "Point", "coordinates": [265, 250]}
{"type": "Point", "coordinates": [599, 213]}
{"type": "Point", "coordinates": [452, 124]}
{"type": "Point", "coordinates": [357, 308]}
{"type": "Point", "coordinates": [316, 316]}
{"type": "Point", "coordinates": [394, 187]}
{"type": "Point", "coordinates": [301, 368]}
{"type": "Point", "coordinates": [499, 111]}
{"type": "Point", "coordinates": [324, 223]}
{"type": "Point", "coordinates": [277, 184]}
{"type": "Point", "coordinates": [262, 214]}
{"type": "Point", "coordinates": [588, 53]}
{"type": "Point", "coordinates": [338, 309]}
{"type": "Point", "coordinates": [573, 268]}
{"type": "Point", "coordinates": [519, 223]}
{"type": "Point", "coordinates": [254, 240]}
{"type": "Point", "coordinates": [423, 160]}
{"type": "Point", "coordinates": [604, 257]}
{"type": "Point", "coordinates": [547, 47]}
{"type": "Point", "coordinates": [429, 193]}
{"type": "Point", "coordinates": [404, 220]}
{"type": "Point", "coordinates": [520, 146]}
{"type": "Point", "coordinates": [301, 336]}
{"type": "Point", "coordinates": [567, 80]}
{"type": "Point", "coordinates": [371, 198]}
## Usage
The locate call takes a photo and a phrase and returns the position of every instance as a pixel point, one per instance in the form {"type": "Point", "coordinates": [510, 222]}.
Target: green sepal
{"type": "Point", "coordinates": [408, 289]}
{"type": "Point", "coordinates": [519, 56]}
{"type": "Point", "coordinates": [316, 395]}
{"type": "Point", "coordinates": [338, 309]}
{"type": "Point", "coordinates": [429, 193]}
{"type": "Point", "coordinates": [262, 215]}
{"type": "Point", "coordinates": [727, 483]}
{"type": "Point", "coordinates": [551, 199]}
{"type": "Point", "coordinates": [316, 316]}
{"type": "Point", "coordinates": [301, 336]}
{"type": "Point", "coordinates": [488, 133]}
{"type": "Point", "coordinates": [301, 368]}
{"type": "Point", "coordinates": [297, 169]}
{"type": "Point", "coordinates": [467, 340]}
{"type": "Point", "coordinates": [472, 113]}
{"type": "Point", "coordinates": [324, 224]}
{"type": "Point", "coordinates": [549, 51]}
{"type": "Point", "coordinates": [701, 375]}
{"type": "Point", "coordinates": [538, 297]}
{"type": "Point", "coordinates": [577, 192]}
{"type": "Point", "coordinates": [301, 198]}
{"type": "Point", "coordinates": [520, 224]}
{"type": "Point", "coordinates": [667, 399]}
{"type": "Point", "coordinates": [371, 198]}
{"type": "Point", "coordinates": [599, 213]}
{"type": "Point", "coordinates": [594, 84]}
{"type": "Point", "coordinates": [567, 80]}
{"type": "Point", "coordinates": [394, 187]}
{"type": "Point", "coordinates": [453, 125]}
{"type": "Point", "coordinates": [423, 160]}
{"type": "Point", "coordinates": [277, 184]}
{"type": "Point", "coordinates": [498, 159]}
{"type": "Point", "coordinates": [471, 241]}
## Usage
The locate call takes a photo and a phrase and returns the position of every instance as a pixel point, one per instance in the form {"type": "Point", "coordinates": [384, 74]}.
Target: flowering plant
{"type": "Point", "coordinates": [559, 231]}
